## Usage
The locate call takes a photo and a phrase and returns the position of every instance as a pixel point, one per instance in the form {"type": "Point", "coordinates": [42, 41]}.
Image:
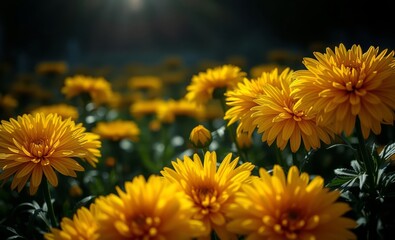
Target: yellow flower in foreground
{"type": "Point", "coordinates": [63, 110]}
{"type": "Point", "coordinates": [212, 189]}
{"type": "Point", "coordinates": [118, 130]}
{"type": "Point", "coordinates": [203, 85]}
{"type": "Point", "coordinates": [200, 137]}
{"type": "Point", "coordinates": [152, 209]}
{"type": "Point", "coordinates": [31, 146]}
{"type": "Point", "coordinates": [83, 226]}
{"type": "Point", "coordinates": [99, 89]}
{"type": "Point", "coordinates": [278, 120]}
{"type": "Point", "coordinates": [346, 84]}
{"type": "Point", "coordinates": [292, 207]}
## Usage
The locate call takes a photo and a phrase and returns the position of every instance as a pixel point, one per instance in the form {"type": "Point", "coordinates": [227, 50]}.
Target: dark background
{"type": "Point", "coordinates": [116, 31]}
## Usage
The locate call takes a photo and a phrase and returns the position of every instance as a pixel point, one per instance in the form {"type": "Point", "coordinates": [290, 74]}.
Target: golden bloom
{"type": "Point", "coordinates": [118, 130]}
{"type": "Point", "coordinates": [31, 146]}
{"type": "Point", "coordinates": [212, 110]}
{"type": "Point", "coordinates": [169, 110]}
{"type": "Point", "coordinates": [51, 67]}
{"type": "Point", "coordinates": [243, 98]}
{"type": "Point", "coordinates": [277, 118]}
{"type": "Point", "coordinates": [203, 85]}
{"type": "Point", "coordinates": [152, 209]}
{"type": "Point", "coordinates": [342, 85]}
{"type": "Point", "coordinates": [243, 140]}
{"type": "Point", "coordinates": [75, 190]}
{"type": "Point", "coordinates": [63, 110]}
{"type": "Point", "coordinates": [258, 70]}
{"type": "Point", "coordinates": [151, 85]}
{"type": "Point", "coordinates": [7, 101]}
{"type": "Point", "coordinates": [240, 101]}
{"type": "Point", "coordinates": [154, 125]}
{"type": "Point", "coordinates": [292, 207]}
{"type": "Point", "coordinates": [200, 137]}
{"type": "Point", "coordinates": [212, 189]}
{"type": "Point", "coordinates": [83, 226]}
{"type": "Point", "coordinates": [143, 108]}
{"type": "Point", "coordinates": [99, 89]}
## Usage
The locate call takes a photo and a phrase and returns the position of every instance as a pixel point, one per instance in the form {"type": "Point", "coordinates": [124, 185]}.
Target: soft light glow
{"type": "Point", "coordinates": [136, 5]}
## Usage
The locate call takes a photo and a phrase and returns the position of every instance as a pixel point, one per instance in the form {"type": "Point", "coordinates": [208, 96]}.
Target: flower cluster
{"type": "Point", "coordinates": [196, 198]}
{"type": "Point", "coordinates": [280, 153]}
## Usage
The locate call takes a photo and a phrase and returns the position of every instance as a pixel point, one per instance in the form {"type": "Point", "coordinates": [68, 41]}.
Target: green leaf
{"type": "Point", "coordinates": [388, 151]}
{"type": "Point", "coordinates": [83, 202]}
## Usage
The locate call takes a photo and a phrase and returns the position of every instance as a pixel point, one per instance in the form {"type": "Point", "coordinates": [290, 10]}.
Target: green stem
{"type": "Point", "coordinates": [47, 198]}
{"type": "Point", "coordinates": [371, 203]}
{"type": "Point", "coordinates": [294, 159]}
{"type": "Point", "coordinates": [366, 157]}
{"type": "Point", "coordinates": [280, 159]}
{"type": "Point", "coordinates": [231, 130]}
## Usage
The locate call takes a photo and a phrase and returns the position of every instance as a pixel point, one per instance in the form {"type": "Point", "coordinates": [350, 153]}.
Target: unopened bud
{"type": "Point", "coordinates": [200, 137]}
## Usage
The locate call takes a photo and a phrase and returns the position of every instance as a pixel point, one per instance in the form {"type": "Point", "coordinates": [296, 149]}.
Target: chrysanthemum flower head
{"type": "Point", "coordinates": [242, 99]}
{"type": "Point", "coordinates": [118, 130]}
{"type": "Point", "coordinates": [99, 89]}
{"type": "Point", "coordinates": [292, 207]}
{"type": "Point", "coordinates": [211, 189]}
{"type": "Point", "coordinates": [33, 145]}
{"type": "Point", "coordinates": [202, 87]}
{"type": "Point", "coordinates": [152, 209]}
{"type": "Point", "coordinates": [143, 108]}
{"type": "Point", "coordinates": [151, 85]}
{"type": "Point", "coordinates": [63, 110]}
{"type": "Point", "coordinates": [278, 120]}
{"type": "Point", "coordinates": [347, 84]}
{"type": "Point", "coordinates": [83, 226]}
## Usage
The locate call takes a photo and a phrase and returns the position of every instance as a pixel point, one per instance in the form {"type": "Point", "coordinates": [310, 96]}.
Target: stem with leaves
{"type": "Point", "coordinates": [47, 198]}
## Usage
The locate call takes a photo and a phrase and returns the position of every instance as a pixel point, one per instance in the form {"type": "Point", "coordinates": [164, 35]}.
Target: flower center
{"type": "Point", "coordinates": [295, 114]}
{"type": "Point", "coordinates": [290, 223]}
{"type": "Point", "coordinates": [145, 227]}
{"type": "Point", "coordinates": [206, 198]}
{"type": "Point", "coordinates": [39, 149]}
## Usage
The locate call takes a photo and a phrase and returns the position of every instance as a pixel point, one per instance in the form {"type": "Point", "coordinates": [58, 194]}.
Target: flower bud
{"type": "Point", "coordinates": [200, 137]}
{"type": "Point", "coordinates": [243, 140]}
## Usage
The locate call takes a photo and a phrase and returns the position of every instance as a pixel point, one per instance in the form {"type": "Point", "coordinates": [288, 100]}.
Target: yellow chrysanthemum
{"type": "Point", "coordinates": [203, 85]}
{"type": "Point", "coordinates": [145, 82]}
{"type": "Point", "coordinates": [212, 189]}
{"type": "Point", "coordinates": [143, 108]}
{"type": "Point", "coordinates": [277, 119]}
{"type": "Point", "coordinates": [99, 89]}
{"type": "Point", "coordinates": [118, 130]}
{"type": "Point", "coordinates": [346, 84]}
{"type": "Point", "coordinates": [49, 67]}
{"type": "Point", "coordinates": [152, 209]}
{"type": "Point", "coordinates": [7, 101]}
{"type": "Point", "coordinates": [242, 99]}
{"type": "Point", "coordinates": [31, 146]}
{"type": "Point", "coordinates": [83, 226]}
{"type": "Point", "coordinates": [63, 110]}
{"type": "Point", "coordinates": [212, 110]}
{"type": "Point", "coordinates": [258, 70]}
{"type": "Point", "coordinates": [292, 207]}
{"type": "Point", "coordinates": [169, 110]}
{"type": "Point", "coordinates": [244, 141]}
